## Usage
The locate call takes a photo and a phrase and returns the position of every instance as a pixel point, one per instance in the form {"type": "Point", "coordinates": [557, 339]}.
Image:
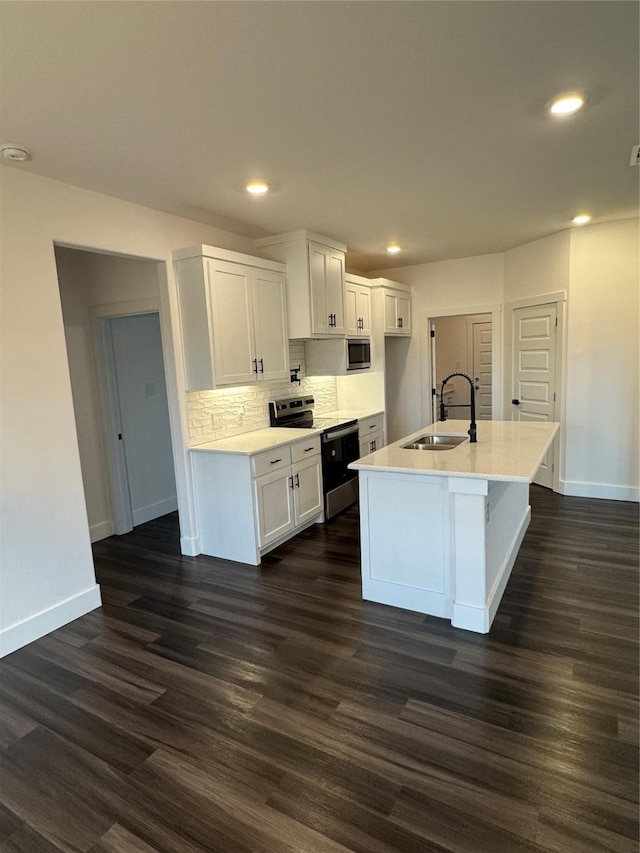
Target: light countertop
{"type": "Point", "coordinates": [505, 450]}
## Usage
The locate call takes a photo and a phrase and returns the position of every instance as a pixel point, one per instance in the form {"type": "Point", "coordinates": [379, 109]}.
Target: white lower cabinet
{"type": "Point", "coordinates": [371, 434]}
{"type": "Point", "coordinates": [248, 504]}
{"type": "Point", "coordinates": [288, 498]}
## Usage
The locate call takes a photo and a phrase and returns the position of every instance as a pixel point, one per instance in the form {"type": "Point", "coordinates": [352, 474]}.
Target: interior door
{"type": "Point", "coordinates": [534, 373]}
{"type": "Point", "coordinates": [144, 415]}
{"type": "Point", "coordinates": [482, 360]}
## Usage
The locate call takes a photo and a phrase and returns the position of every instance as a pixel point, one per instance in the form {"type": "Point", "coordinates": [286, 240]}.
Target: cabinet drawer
{"type": "Point", "coordinates": [271, 460]}
{"type": "Point", "coordinates": [305, 449]}
{"type": "Point", "coordinates": [367, 426]}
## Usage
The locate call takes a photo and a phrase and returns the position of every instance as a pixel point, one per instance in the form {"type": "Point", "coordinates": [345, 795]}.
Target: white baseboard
{"type": "Point", "coordinates": [190, 546]}
{"type": "Point", "coordinates": [22, 633]}
{"type": "Point", "coordinates": [154, 510]}
{"type": "Point", "coordinates": [604, 491]}
{"type": "Point", "coordinates": [479, 619]}
{"type": "Point", "coordinates": [101, 530]}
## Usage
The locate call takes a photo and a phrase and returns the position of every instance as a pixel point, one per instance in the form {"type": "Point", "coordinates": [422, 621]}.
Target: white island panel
{"type": "Point", "coordinates": [410, 573]}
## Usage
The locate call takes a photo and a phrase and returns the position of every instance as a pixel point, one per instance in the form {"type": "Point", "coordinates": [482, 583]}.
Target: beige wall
{"type": "Point", "coordinates": [47, 575]}
{"type": "Point", "coordinates": [602, 380]}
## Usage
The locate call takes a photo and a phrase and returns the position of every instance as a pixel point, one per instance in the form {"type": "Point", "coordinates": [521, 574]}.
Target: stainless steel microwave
{"type": "Point", "coordinates": [358, 353]}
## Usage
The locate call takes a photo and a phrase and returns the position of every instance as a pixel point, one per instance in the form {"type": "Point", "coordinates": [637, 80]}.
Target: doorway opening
{"type": "Point", "coordinates": [462, 343]}
{"type": "Point", "coordinates": [111, 313]}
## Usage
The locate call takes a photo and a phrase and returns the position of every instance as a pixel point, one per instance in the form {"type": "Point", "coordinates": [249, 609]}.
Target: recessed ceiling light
{"type": "Point", "coordinates": [15, 153]}
{"type": "Point", "coordinates": [581, 219]}
{"type": "Point", "coordinates": [393, 250]}
{"type": "Point", "coordinates": [257, 187]}
{"type": "Point", "coordinates": [567, 104]}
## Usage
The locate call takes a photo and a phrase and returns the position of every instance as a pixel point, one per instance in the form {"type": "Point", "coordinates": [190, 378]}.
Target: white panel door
{"type": "Point", "coordinates": [364, 310]}
{"type": "Point", "coordinates": [534, 373]}
{"type": "Point", "coordinates": [144, 415]}
{"type": "Point", "coordinates": [335, 291]}
{"type": "Point", "coordinates": [270, 324]}
{"type": "Point", "coordinates": [482, 368]}
{"type": "Point", "coordinates": [232, 323]}
{"type": "Point", "coordinates": [274, 504]}
{"type": "Point", "coordinates": [352, 326]}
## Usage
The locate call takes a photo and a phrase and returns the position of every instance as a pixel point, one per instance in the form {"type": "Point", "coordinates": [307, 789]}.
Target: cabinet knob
{"type": "Point", "coordinates": [515, 402]}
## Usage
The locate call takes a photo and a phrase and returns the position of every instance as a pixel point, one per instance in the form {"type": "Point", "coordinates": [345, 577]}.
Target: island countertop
{"type": "Point", "coordinates": [505, 450]}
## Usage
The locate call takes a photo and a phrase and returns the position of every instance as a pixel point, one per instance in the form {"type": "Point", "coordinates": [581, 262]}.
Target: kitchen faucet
{"type": "Point", "coordinates": [443, 410]}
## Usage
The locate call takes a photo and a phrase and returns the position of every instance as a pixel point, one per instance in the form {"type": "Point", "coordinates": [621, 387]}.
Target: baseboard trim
{"type": "Point", "coordinates": [603, 491]}
{"type": "Point", "coordinates": [102, 530]}
{"type": "Point", "coordinates": [154, 510]}
{"type": "Point", "coordinates": [22, 633]}
{"type": "Point", "coordinates": [190, 546]}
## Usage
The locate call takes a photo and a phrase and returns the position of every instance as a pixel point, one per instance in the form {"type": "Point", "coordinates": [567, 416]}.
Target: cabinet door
{"type": "Point", "coordinates": [404, 314]}
{"type": "Point", "coordinates": [365, 446]}
{"type": "Point", "coordinates": [318, 286]}
{"type": "Point", "coordinates": [270, 325]}
{"type": "Point", "coordinates": [308, 498]}
{"type": "Point", "coordinates": [352, 308]}
{"type": "Point", "coordinates": [364, 311]}
{"type": "Point", "coordinates": [390, 312]}
{"type": "Point", "coordinates": [335, 291]}
{"type": "Point", "coordinates": [231, 319]}
{"type": "Point", "coordinates": [274, 505]}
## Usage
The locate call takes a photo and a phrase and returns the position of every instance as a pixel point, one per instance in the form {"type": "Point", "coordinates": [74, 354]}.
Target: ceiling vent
{"type": "Point", "coordinates": [635, 156]}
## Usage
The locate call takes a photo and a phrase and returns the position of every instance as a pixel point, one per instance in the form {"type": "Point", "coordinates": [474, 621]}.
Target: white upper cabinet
{"type": "Point", "coordinates": [315, 282]}
{"type": "Point", "coordinates": [358, 306]}
{"type": "Point", "coordinates": [396, 302]}
{"type": "Point", "coordinates": [233, 318]}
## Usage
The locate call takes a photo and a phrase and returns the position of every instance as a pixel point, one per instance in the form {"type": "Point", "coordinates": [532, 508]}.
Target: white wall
{"type": "Point", "coordinates": [603, 360]}
{"type": "Point", "coordinates": [46, 568]}
{"type": "Point", "coordinates": [597, 267]}
{"type": "Point", "coordinates": [466, 285]}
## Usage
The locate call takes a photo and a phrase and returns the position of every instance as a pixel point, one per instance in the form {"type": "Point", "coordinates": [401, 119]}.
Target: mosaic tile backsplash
{"type": "Point", "coordinates": [232, 411]}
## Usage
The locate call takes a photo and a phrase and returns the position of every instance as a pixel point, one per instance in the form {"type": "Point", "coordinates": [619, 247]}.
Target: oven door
{"type": "Point", "coordinates": [339, 448]}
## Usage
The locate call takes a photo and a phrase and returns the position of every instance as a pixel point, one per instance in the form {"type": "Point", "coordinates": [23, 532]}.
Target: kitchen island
{"type": "Point", "coordinates": [440, 530]}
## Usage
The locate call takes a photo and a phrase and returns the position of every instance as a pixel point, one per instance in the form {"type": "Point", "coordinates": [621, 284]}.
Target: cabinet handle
{"type": "Point", "coordinates": [399, 322]}
{"type": "Point", "coordinates": [255, 365]}
{"type": "Point", "coordinates": [307, 449]}
{"type": "Point", "coordinates": [261, 365]}
{"type": "Point", "coordinates": [290, 482]}
{"type": "Point", "coordinates": [373, 426]}
{"type": "Point", "coordinates": [273, 461]}
{"type": "Point", "coordinates": [298, 480]}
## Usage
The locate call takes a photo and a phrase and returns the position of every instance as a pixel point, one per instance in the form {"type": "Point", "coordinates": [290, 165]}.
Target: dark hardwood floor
{"type": "Point", "coordinates": [210, 706]}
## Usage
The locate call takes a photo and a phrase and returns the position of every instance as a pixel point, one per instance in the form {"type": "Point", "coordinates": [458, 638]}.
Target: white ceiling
{"type": "Point", "coordinates": [419, 122]}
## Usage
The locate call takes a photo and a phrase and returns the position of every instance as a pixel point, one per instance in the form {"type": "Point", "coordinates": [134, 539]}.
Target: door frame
{"type": "Point", "coordinates": [427, 361]}
{"type": "Point", "coordinates": [116, 465]}
{"type": "Point", "coordinates": [559, 298]}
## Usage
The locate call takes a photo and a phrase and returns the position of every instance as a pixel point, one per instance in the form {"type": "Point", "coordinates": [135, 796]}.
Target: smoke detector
{"type": "Point", "coordinates": [635, 156]}
{"type": "Point", "coordinates": [14, 153]}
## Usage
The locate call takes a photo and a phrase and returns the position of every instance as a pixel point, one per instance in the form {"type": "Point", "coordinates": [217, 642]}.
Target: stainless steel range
{"type": "Point", "coordinates": [339, 448]}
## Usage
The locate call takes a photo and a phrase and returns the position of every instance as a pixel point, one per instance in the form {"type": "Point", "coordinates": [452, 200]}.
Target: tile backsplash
{"type": "Point", "coordinates": [232, 411]}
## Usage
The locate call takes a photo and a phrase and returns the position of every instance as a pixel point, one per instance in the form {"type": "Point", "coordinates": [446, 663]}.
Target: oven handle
{"type": "Point", "coordinates": [340, 433]}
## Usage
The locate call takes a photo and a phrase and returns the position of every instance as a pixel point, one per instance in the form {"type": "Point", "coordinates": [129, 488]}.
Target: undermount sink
{"type": "Point", "coordinates": [435, 442]}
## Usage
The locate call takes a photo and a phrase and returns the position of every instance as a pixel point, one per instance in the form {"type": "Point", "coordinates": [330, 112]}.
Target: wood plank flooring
{"type": "Point", "coordinates": [211, 706]}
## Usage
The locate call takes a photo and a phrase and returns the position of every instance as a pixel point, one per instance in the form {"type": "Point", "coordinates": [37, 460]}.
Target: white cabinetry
{"type": "Point", "coordinates": [371, 434]}
{"type": "Point", "coordinates": [358, 306]}
{"type": "Point", "coordinates": [315, 282]}
{"type": "Point", "coordinates": [233, 318]}
{"type": "Point", "coordinates": [246, 505]}
{"type": "Point", "coordinates": [396, 306]}
{"type": "Point", "coordinates": [291, 496]}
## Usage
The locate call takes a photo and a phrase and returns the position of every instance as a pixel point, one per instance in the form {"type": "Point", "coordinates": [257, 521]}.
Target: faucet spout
{"type": "Point", "coordinates": [472, 431]}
